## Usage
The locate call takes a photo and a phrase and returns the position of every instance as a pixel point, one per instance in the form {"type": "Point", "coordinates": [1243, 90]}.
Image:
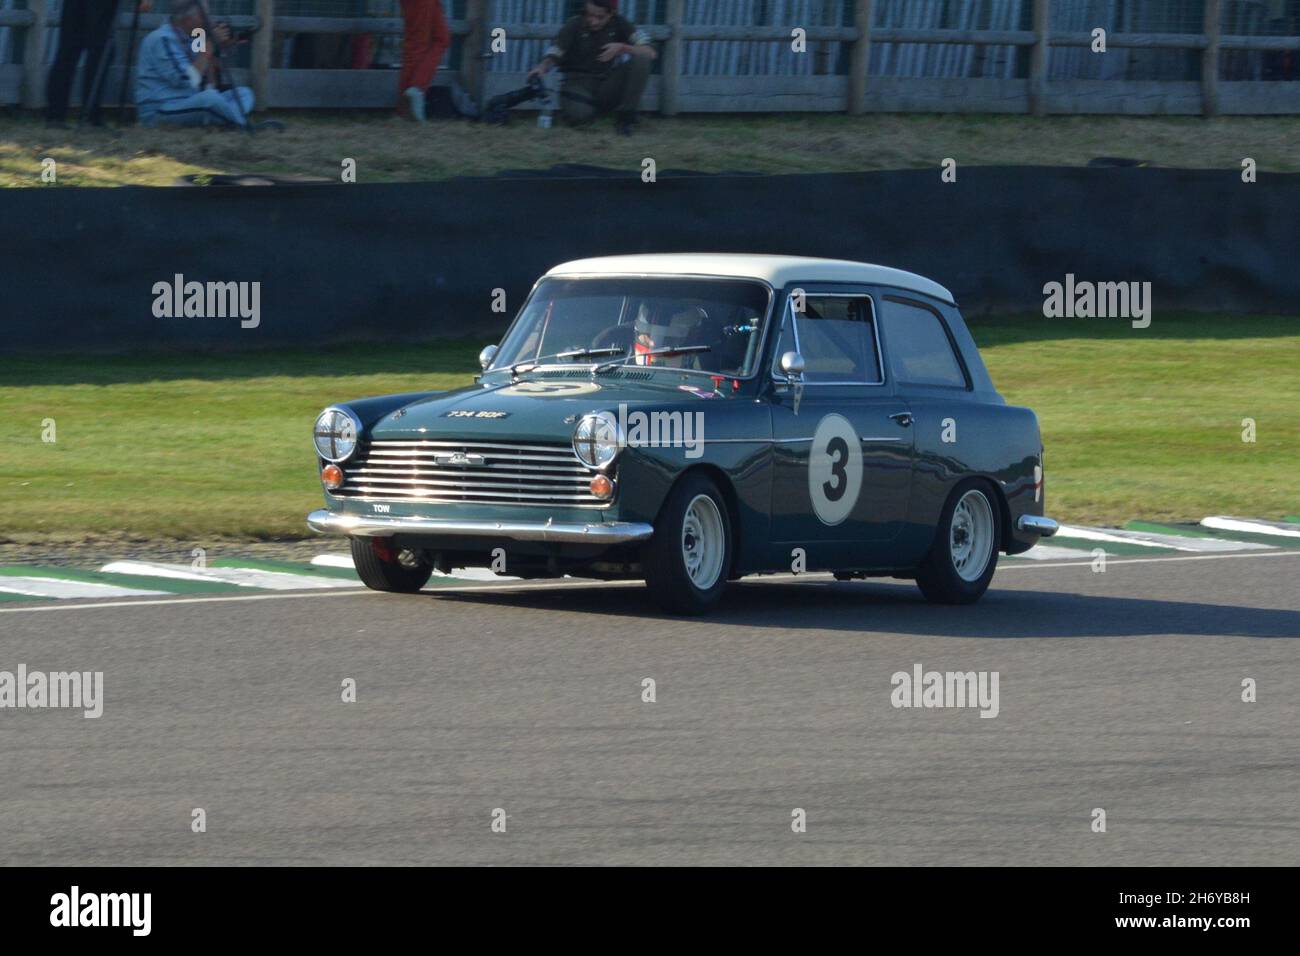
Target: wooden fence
{"type": "Point", "coordinates": [674, 91]}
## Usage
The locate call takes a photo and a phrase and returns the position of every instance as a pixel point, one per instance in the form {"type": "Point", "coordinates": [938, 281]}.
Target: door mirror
{"type": "Point", "coordinates": [486, 356]}
{"type": "Point", "coordinates": [792, 365]}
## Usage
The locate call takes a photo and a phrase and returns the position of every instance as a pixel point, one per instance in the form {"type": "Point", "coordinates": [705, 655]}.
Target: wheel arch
{"type": "Point", "coordinates": [1004, 511]}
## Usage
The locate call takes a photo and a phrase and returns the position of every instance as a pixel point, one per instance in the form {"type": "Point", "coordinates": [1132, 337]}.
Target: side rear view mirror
{"type": "Point", "coordinates": [486, 356]}
{"type": "Point", "coordinates": [792, 365]}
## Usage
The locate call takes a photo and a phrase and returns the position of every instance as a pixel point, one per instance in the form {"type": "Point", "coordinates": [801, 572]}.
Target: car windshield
{"type": "Point", "coordinates": [704, 325]}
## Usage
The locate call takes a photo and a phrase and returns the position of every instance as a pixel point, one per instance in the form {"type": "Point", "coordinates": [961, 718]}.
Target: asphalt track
{"type": "Point", "coordinates": [1118, 690]}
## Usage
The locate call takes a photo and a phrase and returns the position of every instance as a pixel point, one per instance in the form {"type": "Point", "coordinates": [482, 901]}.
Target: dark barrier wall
{"type": "Point", "coordinates": [379, 262]}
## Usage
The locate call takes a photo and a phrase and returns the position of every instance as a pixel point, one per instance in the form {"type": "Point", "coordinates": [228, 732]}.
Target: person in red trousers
{"type": "Point", "coordinates": [425, 41]}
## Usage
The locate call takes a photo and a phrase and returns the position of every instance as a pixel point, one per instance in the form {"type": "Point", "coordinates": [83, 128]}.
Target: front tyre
{"type": "Point", "coordinates": [688, 560]}
{"type": "Point", "coordinates": [383, 567]}
{"type": "Point", "coordinates": [964, 555]}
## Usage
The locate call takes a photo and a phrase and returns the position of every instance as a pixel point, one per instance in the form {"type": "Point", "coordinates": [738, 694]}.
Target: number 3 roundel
{"type": "Point", "coordinates": [834, 469]}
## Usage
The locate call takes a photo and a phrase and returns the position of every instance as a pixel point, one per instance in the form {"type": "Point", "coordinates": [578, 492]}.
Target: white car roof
{"type": "Point", "coordinates": [776, 270]}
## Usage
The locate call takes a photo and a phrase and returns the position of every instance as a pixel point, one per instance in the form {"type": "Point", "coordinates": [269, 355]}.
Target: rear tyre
{"type": "Point", "coordinates": [688, 560]}
{"type": "Point", "coordinates": [383, 567]}
{"type": "Point", "coordinates": [964, 555]}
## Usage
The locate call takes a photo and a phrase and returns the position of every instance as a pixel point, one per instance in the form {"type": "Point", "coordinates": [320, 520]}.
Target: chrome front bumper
{"type": "Point", "coordinates": [614, 532]}
{"type": "Point", "coordinates": [1035, 524]}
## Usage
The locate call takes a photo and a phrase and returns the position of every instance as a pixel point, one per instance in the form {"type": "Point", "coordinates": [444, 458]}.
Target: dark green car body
{"type": "Point", "coordinates": [919, 442]}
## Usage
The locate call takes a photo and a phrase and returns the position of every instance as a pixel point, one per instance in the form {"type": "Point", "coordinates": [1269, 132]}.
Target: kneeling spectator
{"type": "Point", "coordinates": [176, 86]}
{"type": "Point", "coordinates": [606, 63]}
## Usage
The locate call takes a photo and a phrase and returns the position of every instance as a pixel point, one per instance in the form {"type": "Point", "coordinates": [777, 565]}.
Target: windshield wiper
{"type": "Point", "coordinates": [591, 353]}
{"type": "Point", "coordinates": [678, 350]}
{"type": "Point", "coordinates": [527, 365]}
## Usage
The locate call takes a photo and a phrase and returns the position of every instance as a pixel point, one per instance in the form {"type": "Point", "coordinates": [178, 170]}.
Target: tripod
{"type": "Point", "coordinates": [91, 103]}
{"type": "Point", "coordinates": [218, 73]}
{"type": "Point", "coordinates": [122, 106]}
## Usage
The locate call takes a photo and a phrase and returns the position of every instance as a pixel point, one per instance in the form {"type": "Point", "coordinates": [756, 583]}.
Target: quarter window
{"type": "Point", "coordinates": [836, 336]}
{"type": "Point", "coordinates": [920, 351]}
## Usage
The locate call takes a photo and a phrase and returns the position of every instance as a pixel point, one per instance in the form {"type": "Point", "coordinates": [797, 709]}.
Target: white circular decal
{"type": "Point", "coordinates": [550, 388]}
{"type": "Point", "coordinates": [834, 469]}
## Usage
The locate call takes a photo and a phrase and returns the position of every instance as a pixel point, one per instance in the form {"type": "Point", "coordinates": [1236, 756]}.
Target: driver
{"type": "Point", "coordinates": [648, 336]}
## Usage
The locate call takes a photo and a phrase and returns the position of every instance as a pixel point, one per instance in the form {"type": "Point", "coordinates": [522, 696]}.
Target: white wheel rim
{"type": "Point", "coordinates": [970, 537]}
{"type": "Point", "coordinates": [703, 542]}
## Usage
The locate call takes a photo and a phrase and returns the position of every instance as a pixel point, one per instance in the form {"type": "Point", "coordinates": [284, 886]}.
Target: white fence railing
{"type": "Point", "coordinates": [866, 62]}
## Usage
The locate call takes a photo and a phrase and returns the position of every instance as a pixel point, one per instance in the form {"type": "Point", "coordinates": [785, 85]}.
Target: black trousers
{"type": "Point", "coordinates": [84, 27]}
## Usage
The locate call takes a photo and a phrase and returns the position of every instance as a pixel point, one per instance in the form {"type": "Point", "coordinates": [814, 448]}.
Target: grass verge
{"type": "Point", "coordinates": [1137, 424]}
{"type": "Point", "coordinates": [390, 150]}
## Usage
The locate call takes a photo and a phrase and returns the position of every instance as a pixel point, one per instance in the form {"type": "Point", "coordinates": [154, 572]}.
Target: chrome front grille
{"type": "Point", "coordinates": [470, 472]}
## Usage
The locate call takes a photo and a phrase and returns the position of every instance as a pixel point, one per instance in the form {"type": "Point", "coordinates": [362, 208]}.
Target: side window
{"type": "Point", "coordinates": [920, 351]}
{"type": "Point", "coordinates": [837, 338]}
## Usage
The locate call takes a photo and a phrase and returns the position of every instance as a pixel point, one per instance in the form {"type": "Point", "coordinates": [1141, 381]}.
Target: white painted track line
{"type": "Point", "coordinates": [475, 574]}
{"type": "Point", "coordinates": [1111, 562]}
{"type": "Point", "coordinates": [553, 585]}
{"type": "Point", "coordinates": [1110, 534]}
{"type": "Point", "coordinates": [64, 589]}
{"type": "Point", "coordinates": [244, 577]}
{"type": "Point", "coordinates": [464, 574]}
{"type": "Point", "coordinates": [1278, 529]}
{"type": "Point", "coordinates": [1153, 539]}
{"type": "Point", "coordinates": [1049, 552]}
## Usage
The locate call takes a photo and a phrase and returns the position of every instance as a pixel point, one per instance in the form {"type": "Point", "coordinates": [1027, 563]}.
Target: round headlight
{"type": "Point", "coordinates": [596, 440]}
{"type": "Point", "coordinates": [335, 434]}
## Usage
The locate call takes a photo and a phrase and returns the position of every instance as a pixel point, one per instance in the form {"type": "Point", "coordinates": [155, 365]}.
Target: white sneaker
{"type": "Point", "coordinates": [415, 98]}
{"type": "Point", "coordinates": [463, 102]}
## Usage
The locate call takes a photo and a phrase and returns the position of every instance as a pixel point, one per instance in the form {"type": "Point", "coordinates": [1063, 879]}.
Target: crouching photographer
{"type": "Point", "coordinates": [606, 63]}
{"type": "Point", "coordinates": [177, 86]}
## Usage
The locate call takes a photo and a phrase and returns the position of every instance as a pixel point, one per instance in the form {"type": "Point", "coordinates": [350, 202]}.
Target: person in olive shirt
{"type": "Point", "coordinates": [606, 63]}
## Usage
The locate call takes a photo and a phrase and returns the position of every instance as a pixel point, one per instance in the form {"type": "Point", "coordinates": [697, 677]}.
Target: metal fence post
{"type": "Point", "coordinates": [261, 53]}
{"type": "Point", "coordinates": [1039, 59]}
{"type": "Point", "coordinates": [1210, 60]}
{"type": "Point", "coordinates": [472, 65]}
{"type": "Point", "coordinates": [860, 58]}
{"type": "Point", "coordinates": [34, 56]}
{"type": "Point", "coordinates": [671, 74]}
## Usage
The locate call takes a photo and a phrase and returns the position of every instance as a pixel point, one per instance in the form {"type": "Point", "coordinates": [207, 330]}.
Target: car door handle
{"type": "Point", "coordinates": [902, 418]}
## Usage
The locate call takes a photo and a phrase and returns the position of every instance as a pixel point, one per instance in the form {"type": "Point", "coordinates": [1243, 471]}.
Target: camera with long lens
{"type": "Point", "coordinates": [499, 107]}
